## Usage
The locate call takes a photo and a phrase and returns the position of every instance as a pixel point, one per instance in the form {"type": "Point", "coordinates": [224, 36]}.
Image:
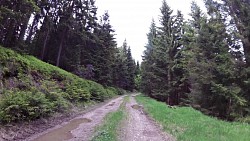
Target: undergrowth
{"type": "Point", "coordinates": [187, 124]}
{"type": "Point", "coordinates": [31, 88]}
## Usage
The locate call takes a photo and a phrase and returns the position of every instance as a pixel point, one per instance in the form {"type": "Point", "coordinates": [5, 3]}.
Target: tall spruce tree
{"type": "Point", "coordinates": [165, 71]}
{"type": "Point", "coordinates": [105, 51]}
{"type": "Point", "coordinates": [211, 66]}
{"type": "Point", "coordinates": [148, 81]}
{"type": "Point", "coordinates": [131, 66]}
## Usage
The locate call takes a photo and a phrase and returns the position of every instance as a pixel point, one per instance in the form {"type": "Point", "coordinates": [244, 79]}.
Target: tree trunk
{"type": "Point", "coordinates": [45, 44]}
{"type": "Point", "coordinates": [246, 47]}
{"type": "Point", "coordinates": [22, 32]}
{"type": "Point", "coordinates": [31, 30]}
{"type": "Point", "coordinates": [169, 86]}
{"type": "Point", "coordinates": [60, 48]}
{"type": "Point", "coordinates": [23, 26]}
{"type": "Point", "coordinates": [8, 41]}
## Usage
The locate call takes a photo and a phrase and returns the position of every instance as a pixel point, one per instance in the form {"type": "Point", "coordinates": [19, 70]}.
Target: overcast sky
{"type": "Point", "coordinates": [131, 19]}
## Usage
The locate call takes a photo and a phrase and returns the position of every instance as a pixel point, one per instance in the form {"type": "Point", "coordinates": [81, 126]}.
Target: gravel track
{"type": "Point", "coordinates": [80, 128]}
{"type": "Point", "coordinates": [139, 127]}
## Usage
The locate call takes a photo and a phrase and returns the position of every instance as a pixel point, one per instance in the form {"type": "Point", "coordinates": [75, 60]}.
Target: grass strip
{"type": "Point", "coordinates": [188, 124]}
{"type": "Point", "coordinates": [108, 130]}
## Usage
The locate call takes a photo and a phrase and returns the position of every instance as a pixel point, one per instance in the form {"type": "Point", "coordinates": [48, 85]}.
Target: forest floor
{"type": "Point", "coordinates": [137, 126]}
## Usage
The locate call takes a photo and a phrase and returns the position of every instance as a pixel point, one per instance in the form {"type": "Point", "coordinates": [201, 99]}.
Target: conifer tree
{"type": "Point", "coordinates": [211, 66]}
{"type": "Point", "coordinates": [147, 81]}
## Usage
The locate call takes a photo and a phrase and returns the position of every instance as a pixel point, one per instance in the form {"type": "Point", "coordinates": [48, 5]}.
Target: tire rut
{"type": "Point", "coordinates": [139, 127]}
{"type": "Point", "coordinates": [80, 128]}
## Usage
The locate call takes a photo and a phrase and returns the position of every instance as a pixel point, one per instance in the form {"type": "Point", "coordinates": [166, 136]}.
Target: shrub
{"type": "Point", "coordinates": [21, 105]}
{"type": "Point", "coordinates": [120, 91]}
{"type": "Point", "coordinates": [244, 119]}
{"type": "Point", "coordinates": [54, 94]}
{"type": "Point", "coordinates": [111, 91]}
{"type": "Point", "coordinates": [98, 93]}
{"type": "Point", "coordinates": [77, 92]}
{"type": "Point", "coordinates": [37, 89]}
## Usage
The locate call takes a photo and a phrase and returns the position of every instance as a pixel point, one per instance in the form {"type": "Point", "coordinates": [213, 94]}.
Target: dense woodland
{"type": "Point", "coordinates": [68, 34]}
{"type": "Point", "coordinates": [202, 62]}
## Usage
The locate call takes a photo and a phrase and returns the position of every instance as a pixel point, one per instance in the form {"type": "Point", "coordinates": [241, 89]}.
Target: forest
{"type": "Point", "coordinates": [203, 62]}
{"type": "Point", "coordinates": [68, 34]}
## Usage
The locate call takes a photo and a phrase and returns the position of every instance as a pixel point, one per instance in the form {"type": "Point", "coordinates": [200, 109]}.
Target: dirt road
{"type": "Point", "coordinates": [139, 127]}
{"type": "Point", "coordinates": [80, 128]}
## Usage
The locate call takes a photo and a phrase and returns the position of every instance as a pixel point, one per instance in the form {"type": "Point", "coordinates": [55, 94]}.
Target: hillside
{"type": "Point", "coordinates": [31, 89]}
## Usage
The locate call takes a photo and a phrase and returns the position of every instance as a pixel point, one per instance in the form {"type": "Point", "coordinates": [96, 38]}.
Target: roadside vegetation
{"type": "Point", "coordinates": [203, 61]}
{"type": "Point", "coordinates": [186, 123]}
{"type": "Point", "coordinates": [31, 89]}
{"type": "Point", "coordinates": [108, 130]}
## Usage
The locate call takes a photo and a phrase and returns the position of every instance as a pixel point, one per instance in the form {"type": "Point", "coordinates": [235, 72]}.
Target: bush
{"type": "Point", "coordinates": [77, 92]}
{"type": "Point", "coordinates": [21, 105]}
{"type": "Point", "coordinates": [120, 91]}
{"type": "Point", "coordinates": [41, 88]}
{"type": "Point", "coordinates": [98, 93]}
{"type": "Point", "coordinates": [54, 94]}
{"type": "Point", "coordinates": [244, 119]}
{"type": "Point", "coordinates": [112, 91]}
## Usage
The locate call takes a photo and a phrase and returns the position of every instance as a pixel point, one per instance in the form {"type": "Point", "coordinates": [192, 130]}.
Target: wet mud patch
{"type": "Point", "coordinates": [64, 132]}
{"type": "Point", "coordinates": [137, 107]}
{"type": "Point", "coordinates": [112, 104]}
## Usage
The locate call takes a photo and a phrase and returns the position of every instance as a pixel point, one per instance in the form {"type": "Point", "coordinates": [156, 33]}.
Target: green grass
{"type": "Point", "coordinates": [187, 124]}
{"type": "Point", "coordinates": [108, 130]}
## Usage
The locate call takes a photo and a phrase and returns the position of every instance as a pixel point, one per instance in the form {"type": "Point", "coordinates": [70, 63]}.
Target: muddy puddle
{"type": "Point", "coordinates": [137, 107]}
{"type": "Point", "coordinates": [112, 104]}
{"type": "Point", "coordinates": [64, 132]}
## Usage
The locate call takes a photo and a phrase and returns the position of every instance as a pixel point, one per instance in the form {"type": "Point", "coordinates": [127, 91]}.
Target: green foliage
{"type": "Point", "coordinates": [162, 69]}
{"type": "Point", "coordinates": [138, 80]}
{"type": "Point", "coordinates": [210, 66]}
{"type": "Point", "coordinates": [77, 92]}
{"type": "Point", "coordinates": [199, 63]}
{"type": "Point", "coordinates": [25, 79]}
{"type": "Point", "coordinates": [23, 105]}
{"type": "Point", "coordinates": [244, 119]}
{"type": "Point", "coordinates": [187, 124]}
{"type": "Point", "coordinates": [54, 94]}
{"type": "Point", "coordinates": [98, 93]}
{"type": "Point", "coordinates": [111, 91]}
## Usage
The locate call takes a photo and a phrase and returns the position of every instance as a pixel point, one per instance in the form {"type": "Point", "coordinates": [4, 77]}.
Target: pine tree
{"type": "Point", "coordinates": [105, 51]}
{"type": "Point", "coordinates": [147, 81]}
{"type": "Point", "coordinates": [14, 20]}
{"type": "Point", "coordinates": [211, 66]}
{"type": "Point", "coordinates": [131, 70]}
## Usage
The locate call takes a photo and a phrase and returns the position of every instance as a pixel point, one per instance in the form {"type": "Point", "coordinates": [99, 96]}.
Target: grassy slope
{"type": "Point", "coordinates": [25, 79]}
{"type": "Point", "coordinates": [108, 130]}
{"type": "Point", "coordinates": [188, 124]}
